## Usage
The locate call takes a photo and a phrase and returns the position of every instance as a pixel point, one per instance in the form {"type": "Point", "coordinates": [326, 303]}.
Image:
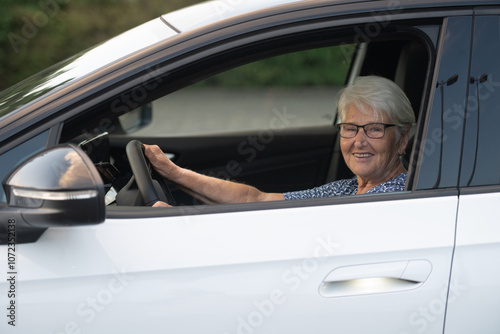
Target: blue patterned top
{"type": "Point", "coordinates": [348, 187]}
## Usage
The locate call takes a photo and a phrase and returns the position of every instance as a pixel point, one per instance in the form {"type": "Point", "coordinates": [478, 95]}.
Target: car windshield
{"type": "Point", "coordinates": [83, 64]}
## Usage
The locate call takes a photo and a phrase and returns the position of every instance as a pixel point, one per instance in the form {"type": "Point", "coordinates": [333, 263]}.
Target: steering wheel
{"type": "Point", "coordinates": [145, 176]}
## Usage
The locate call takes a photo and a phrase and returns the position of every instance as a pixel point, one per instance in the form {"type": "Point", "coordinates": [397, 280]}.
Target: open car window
{"type": "Point", "coordinates": [261, 114]}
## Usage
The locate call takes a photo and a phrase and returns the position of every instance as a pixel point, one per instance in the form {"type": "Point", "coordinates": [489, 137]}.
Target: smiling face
{"type": "Point", "coordinates": [374, 161]}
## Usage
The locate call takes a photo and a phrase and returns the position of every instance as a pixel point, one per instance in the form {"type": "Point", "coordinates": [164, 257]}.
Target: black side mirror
{"type": "Point", "coordinates": [57, 187]}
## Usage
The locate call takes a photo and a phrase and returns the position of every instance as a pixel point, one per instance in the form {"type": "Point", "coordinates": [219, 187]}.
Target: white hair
{"type": "Point", "coordinates": [378, 95]}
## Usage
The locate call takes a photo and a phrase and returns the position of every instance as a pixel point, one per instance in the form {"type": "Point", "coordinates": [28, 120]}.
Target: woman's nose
{"type": "Point", "coordinates": [361, 138]}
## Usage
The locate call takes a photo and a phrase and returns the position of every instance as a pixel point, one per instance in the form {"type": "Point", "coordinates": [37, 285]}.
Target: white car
{"type": "Point", "coordinates": [246, 90]}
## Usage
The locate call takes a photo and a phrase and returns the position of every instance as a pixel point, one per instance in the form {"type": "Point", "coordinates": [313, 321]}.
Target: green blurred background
{"type": "Point", "coordinates": [35, 34]}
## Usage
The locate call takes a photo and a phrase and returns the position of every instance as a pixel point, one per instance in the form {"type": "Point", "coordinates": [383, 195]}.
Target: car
{"type": "Point", "coordinates": [246, 90]}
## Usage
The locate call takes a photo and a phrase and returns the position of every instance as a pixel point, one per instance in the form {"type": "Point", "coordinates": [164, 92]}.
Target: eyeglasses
{"type": "Point", "coordinates": [372, 130]}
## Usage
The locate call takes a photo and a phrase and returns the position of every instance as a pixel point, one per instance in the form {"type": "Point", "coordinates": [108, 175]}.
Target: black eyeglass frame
{"type": "Point", "coordinates": [386, 125]}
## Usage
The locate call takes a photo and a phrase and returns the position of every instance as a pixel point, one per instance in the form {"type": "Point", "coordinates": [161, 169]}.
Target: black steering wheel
{"type": "Point", "coordinates": [152, 186]}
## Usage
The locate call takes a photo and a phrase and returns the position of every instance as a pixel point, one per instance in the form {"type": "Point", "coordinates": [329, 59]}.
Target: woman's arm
{"type": "Point", "coordinates": [208, 189]}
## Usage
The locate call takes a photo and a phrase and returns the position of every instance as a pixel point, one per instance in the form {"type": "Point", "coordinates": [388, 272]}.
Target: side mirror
{"type": "Point", "coordinates": [57, 187]}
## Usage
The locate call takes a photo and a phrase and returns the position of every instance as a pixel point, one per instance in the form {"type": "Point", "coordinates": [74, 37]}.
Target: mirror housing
{"type": "Point", "coordinates": [57, 187]}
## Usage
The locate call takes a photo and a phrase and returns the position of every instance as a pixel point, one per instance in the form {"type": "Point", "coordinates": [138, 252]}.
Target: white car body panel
{"type": "Point", "coordinates": [243, 271]}
{"type": "Point", "coordinates": [475, 267]}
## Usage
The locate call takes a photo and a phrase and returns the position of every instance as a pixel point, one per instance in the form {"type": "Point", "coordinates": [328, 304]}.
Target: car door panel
{"type": "Point", "coordinates": [242, 271]}
{"type": "Point", "coordinates": [474, 302]}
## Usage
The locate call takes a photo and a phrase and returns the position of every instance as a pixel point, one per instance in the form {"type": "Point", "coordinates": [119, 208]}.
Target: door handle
{"type": "Point", "coordinates": [375, 278]}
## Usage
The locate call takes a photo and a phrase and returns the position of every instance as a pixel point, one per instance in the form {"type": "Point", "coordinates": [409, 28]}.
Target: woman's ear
{"type": "Point", "coordinates": [403, 142]}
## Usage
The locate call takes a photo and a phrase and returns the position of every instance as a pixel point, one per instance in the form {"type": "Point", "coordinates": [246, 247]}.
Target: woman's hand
{"type": "Point", "coordinates": [161, 204]}
{"type": "Point", "coordinates": [161, 163]}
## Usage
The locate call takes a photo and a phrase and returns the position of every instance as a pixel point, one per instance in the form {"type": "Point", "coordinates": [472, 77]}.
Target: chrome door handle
{"type": "Point", "coordinates": [375, 278]}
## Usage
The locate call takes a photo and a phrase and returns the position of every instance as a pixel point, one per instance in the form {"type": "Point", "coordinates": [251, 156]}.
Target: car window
{"type": "Point", "coordinates": [481, 159]}
{"type": "Point", "coordinates": [216, 114]}
{"type": "Point", "coordinates": [18, 154]}
{"type": "Point", "coordinates": [305, 84]}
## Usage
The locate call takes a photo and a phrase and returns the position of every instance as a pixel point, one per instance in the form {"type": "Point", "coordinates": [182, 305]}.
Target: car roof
{"type": "Point", "coordinates": [208, 12]}
{"type": "Point", "coordinates": [204, 13]}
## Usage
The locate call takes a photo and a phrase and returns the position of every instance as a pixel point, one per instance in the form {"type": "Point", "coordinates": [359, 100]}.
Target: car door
{"type": "Point", "coordinates": [472, 307]}
{"type": "Point", "coordinates": [373, 263]}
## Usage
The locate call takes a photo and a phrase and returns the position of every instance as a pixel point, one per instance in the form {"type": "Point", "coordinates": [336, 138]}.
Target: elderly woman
{"type": "Point", "coordinates": [375, 119]}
